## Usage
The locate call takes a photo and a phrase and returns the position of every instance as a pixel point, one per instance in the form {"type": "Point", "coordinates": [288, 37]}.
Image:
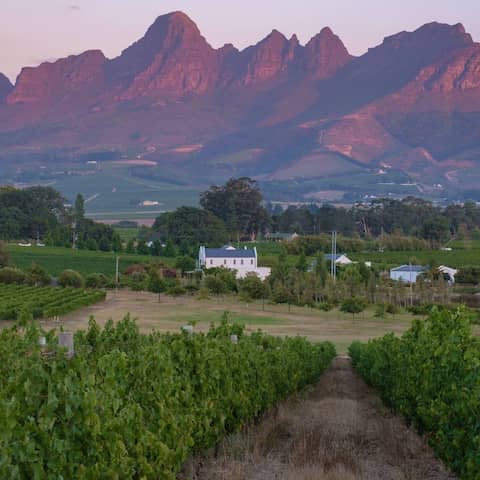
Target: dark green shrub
{"type": "Point", "coordinates": [70, 278]}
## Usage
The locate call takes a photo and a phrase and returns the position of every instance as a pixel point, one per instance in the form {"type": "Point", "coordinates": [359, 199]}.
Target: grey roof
{"type": "Point", "coordinates": [224, 253]}
{"type": "Point", "coordinates": [330, 256]}
{"type": "Point", "coordinates": [409, 268]}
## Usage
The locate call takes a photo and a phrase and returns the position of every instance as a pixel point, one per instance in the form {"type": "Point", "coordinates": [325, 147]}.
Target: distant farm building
{"type": "Point", "coordinates": [448, 273]}
{"type": "Point", "coordinates": [407, 273]}
{"type": "Point", "coordinates": [340, 258]}
{"type": "Point", "coordinates": [243, 261]}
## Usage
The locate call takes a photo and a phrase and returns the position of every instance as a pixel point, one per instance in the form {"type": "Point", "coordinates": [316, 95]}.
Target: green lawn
{"type": "Point", "coordinates": [216, 317]}
{"type": "Point", "coordinates": [463, 253]}
{"type": "Point", "coordinates": [127, 233]}
{"type": "Point", "coordinates": [55, 259]}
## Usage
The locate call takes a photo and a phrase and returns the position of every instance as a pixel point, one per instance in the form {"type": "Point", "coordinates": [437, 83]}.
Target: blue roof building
{"type": "Point", "coordinates": [242, 260]}
{"type": "Point", "coordinates": [407, 273]}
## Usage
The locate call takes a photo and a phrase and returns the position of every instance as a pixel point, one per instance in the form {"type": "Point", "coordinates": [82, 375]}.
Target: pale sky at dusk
{"type": "Point", "coordinates": [32, 31]}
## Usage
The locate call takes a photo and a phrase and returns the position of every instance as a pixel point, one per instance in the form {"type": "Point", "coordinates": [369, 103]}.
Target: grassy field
{"type": "Point", "coordinates": [170, 314]}
{"type": "Point", "coordinates": [456, 258]}
{"type": "Point", "coordinates": [54, 260]}
{"type": "Point", "coordinates": [127, 233]}
{"type": "Point", "coordinates": [463, 253]}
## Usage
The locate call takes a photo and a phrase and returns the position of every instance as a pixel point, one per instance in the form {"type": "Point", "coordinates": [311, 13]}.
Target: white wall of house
{"type": "Point", "coordinates": [408, 277]}
{"type": "Point", "coordinates": [242, 265]}
{"type": "Point", "coordinates": [237, 263]}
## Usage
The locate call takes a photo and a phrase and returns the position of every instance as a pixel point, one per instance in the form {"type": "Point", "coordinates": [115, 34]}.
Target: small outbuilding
{"type": "Point", "coordinates": [340, 258]}
{"type": "Point", "coordinates": [448, 273]}
{"type": "Point", "coordinates": [407, 273]}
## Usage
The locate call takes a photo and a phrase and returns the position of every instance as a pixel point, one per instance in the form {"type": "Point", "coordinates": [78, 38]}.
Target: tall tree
{"type": "Point", "coordinates": [190, 226]}
{"type": "Point", "coordinates": [79, 208]}
{"type": "Point", "coordinates": [4, 256]}
{"type": "Point", "coordinates": [239, 203]}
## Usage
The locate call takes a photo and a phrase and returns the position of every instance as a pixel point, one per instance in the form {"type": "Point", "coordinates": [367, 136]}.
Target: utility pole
{"type": "Point", "coordinates": [333, 264]}
{"type": "Point", "coordinates": [116, 271]}
{"type": "Point", "coordinates": [411, 283]}
{"type": "Point", "coordinates": [74, 235]}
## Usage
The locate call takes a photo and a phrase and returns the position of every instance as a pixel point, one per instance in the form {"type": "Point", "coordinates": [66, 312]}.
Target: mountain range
{"type": "Point", "coordinates": [277, 110]}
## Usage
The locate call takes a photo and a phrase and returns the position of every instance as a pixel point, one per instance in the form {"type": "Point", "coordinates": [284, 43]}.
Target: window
{"type": "Point", "coordinates": [241, 261]}
{"type": "Point", "coordinates": [234, 262]}
{"type": "Point", "coordinates": [211, 262]}
{"type": "Point", "coordinates": [225, 262]}
{"type": "Point", "coordinates": [251, 262]}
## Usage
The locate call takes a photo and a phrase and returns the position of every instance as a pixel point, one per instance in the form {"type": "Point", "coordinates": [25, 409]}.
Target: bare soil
{"type": "Point", "coordinates": [338, 430]}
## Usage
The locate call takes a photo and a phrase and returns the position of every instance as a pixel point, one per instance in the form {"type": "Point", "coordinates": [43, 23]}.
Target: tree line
{"type": "Point", "coordinates": [41, 213]}
{"type": "Point", "coordinates": [237, 211]}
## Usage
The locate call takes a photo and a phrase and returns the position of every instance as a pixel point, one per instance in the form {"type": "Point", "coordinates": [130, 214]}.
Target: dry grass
{"type": "Point", "coordinates": [338, 431]}
{"type": "Point", "coordinates": [171, 313]}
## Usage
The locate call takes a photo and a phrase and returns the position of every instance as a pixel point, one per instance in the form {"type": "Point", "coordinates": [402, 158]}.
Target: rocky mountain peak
{"type": "Point", "coordinates": [5, 87]}
{"type": "Point", "coordinates": [325, 53]}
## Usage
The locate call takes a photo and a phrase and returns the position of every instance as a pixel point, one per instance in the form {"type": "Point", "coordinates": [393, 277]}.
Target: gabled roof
{"type": "Point", "coordinates": [331, 256]}
{"type": "Point", "coordinates": [409, 268]}
{"type": "Point", "coordinates": [229, 253]}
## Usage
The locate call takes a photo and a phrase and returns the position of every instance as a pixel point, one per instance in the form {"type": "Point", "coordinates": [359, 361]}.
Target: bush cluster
{"type": "Point", "coordinates": [432, 376]}
{"type": "Point", "coordinates": [136, 406]}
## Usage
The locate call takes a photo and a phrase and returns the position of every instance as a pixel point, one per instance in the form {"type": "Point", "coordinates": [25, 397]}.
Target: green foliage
{"type": "Point", "coordinates": [226, 276]}
{"type": "Point", "coordinates": [43, 302]}
{"type": "Point", "coordinates": [353, 305]}
{"type": "Point", "coordinates": [79, 208]}
{"type": "Point", "coordinates": [185, 264]}
{"type": "Point", "coordinates": [193, 226]}
{"type": "Point", "coordinates": [136, 406]}
{"type": "Point", "coordinates": [252, 288]}
{"type": "Point", "coordinates": [176, 290]}
{"type": "Point", "coordinates": [12, 275]}
{"type": "Point", "coordinates": [4, 255]}
{"type": "Point", "coordinates": [215, 284]}
{"type": "Point", "coordinates": [432, 376]}
{"type": "Point", "coordinates": [70, 278]}
{"type": "Point", "coordinates": [130, 246]}
{"type": "Point", "coordinates": [30, 212]}
{"type": "Point", "coordinates": [55, 259]}
{"type": "Point", "coordinates": [97, 280]}
{"type": "Point", "coordinates": [203, 293]}
{"type": "Point", "coordinates": [239, 203]}
{"type": "Point", "coordinates": [326, 306]}
{"type": "Point", "coordinates": [156, 283]}
{"type": "Point", "coordinates": [468, 275]}
{"type": "Point", "coordinates": [38, 276]}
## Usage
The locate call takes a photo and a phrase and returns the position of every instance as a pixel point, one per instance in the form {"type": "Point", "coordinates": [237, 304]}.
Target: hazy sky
{"type": "Point", "coordinates": [32, 31]}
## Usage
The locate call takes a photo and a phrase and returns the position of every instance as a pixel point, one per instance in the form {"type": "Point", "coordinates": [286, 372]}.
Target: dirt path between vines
{"type": "Point", "coordinates": [340, 430]}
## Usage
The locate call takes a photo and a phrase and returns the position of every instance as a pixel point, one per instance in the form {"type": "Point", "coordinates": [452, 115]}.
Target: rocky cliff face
{"type": "Point", "coordinates": [69, 79]}
{"type": "Point", "coordinates": [267, 59]}
{"type": "Point", "coordinates": [5, 87]}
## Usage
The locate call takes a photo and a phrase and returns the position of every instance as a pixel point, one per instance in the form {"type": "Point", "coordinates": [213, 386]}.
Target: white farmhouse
{"type": "Point", "coordinates": [407, 273]}
{"type": "Point", "coordinates": [244, 260]}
